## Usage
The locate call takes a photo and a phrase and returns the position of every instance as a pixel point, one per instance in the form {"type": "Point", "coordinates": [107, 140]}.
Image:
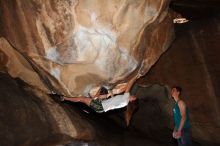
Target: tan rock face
{"type": "Point", "coordinates": [72, 46]}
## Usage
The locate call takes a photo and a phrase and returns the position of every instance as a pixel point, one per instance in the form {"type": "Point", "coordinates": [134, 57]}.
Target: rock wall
{"type": "Point", "coordinates": [69, 47]}
{"type": "Point", "coordinates": [193, 63]}
{"type": "Point", "coordinates": [35, 119]}
{"type": "Point", "coordinates": [153, 118]}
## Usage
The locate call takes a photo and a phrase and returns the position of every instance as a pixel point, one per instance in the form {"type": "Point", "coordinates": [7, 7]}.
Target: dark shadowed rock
{"type": "Point", "coordinates": [30, 120]}
{"type": "Point", "coordinates": [193, 62]}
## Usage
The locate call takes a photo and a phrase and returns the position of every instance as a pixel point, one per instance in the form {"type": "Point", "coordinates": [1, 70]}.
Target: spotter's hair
{"type": "Point", "coordinates": [178, 88]}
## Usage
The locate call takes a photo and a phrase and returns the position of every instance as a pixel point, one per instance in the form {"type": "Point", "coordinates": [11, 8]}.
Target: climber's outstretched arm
{"type": "Point", "coordinates": [130, 83]}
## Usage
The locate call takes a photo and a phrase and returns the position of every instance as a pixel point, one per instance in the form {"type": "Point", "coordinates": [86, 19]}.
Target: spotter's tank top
{"type": "Point", "coordinates": [177, 116]}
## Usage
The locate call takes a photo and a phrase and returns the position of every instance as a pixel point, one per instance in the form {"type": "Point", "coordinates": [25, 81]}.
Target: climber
{"type": "Point", "coordinates": [182, 130]}
{"type": "Point", "coordinates": [101, 103]}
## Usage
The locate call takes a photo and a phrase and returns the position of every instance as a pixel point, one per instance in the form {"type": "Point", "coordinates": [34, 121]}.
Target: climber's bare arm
{"type": "Point", "coordinates": [119, 89]}
{"type": "Point", "coordinates": [82, 99]}
{"type": "Point", "coordinates": [97, 93]}
{"type": "Point", "coordinates": [131, 82]}
{"type": "Point", "coordinates": [125, 87]}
